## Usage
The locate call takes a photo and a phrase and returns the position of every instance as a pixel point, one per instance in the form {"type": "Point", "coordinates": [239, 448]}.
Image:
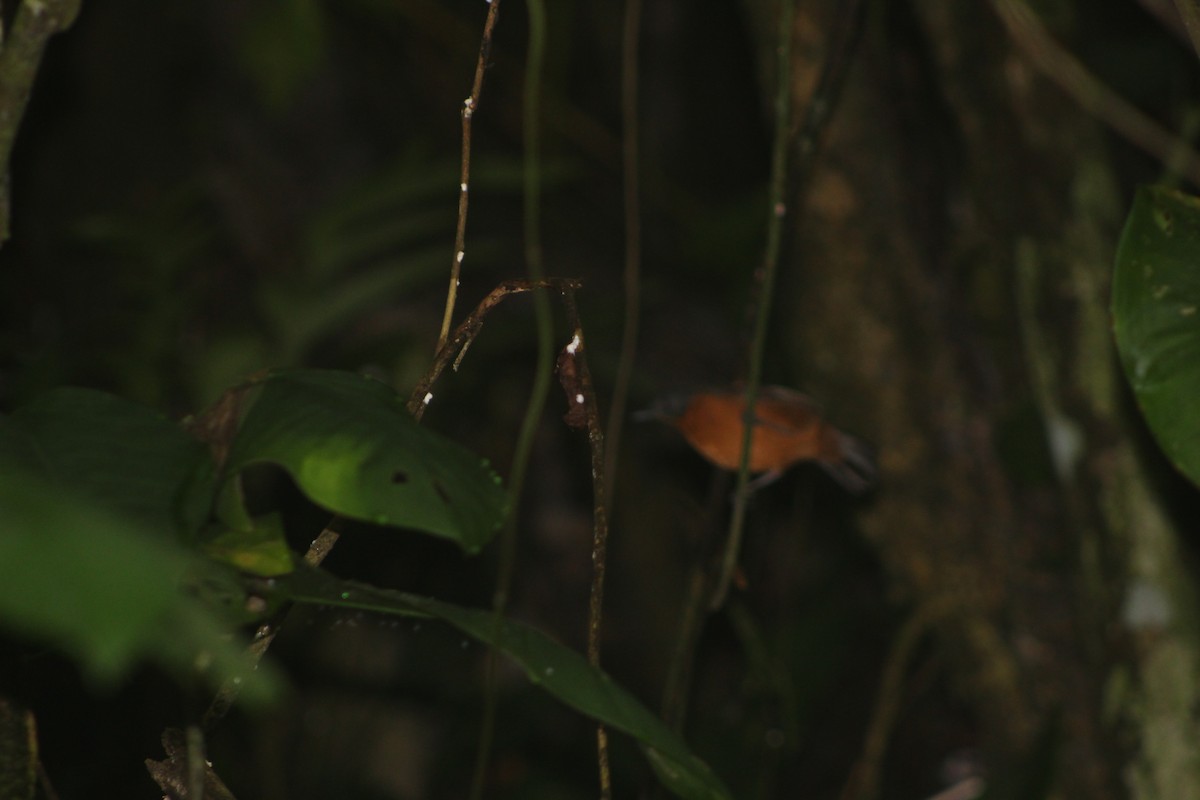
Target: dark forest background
{"type": "Point", "coordinates": [202, 190]}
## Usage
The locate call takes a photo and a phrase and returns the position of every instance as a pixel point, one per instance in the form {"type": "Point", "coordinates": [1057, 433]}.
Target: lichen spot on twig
{"type": "Point", "coordinates": [572, 384]}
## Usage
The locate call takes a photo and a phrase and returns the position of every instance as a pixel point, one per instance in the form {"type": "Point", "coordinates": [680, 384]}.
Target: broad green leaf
{"type": "Point", "coordinates": [562, 672]}
{"type": "Point", "coordinates": [1156, 318]}
{"type": "Point", "coordinates": [109, 592]}
{"type": "Point", "coordinates": [126, 457]}
{"type": "Point", "coordinates": [351, 446]}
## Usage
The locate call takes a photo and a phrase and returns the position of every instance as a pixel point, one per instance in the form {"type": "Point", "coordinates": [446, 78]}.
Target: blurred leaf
{"type": "Point", "coordinates": [108, 592]}
{"type": "Point", "coordinates": [559, 670]}
{"type": "Point", "coordinates": [351, 446]}
{"type": "Point", "coordinates": [261, 550]}
{"type": "Point", "coordinates": [123, 456]}
{"type": "Point", "coordinates": [282, 46]}
{"type": "Point", "coordinates": [225, 361]}
{"type": "Point", "coordinates": [301, 316]}
{"type": "Point", "coordinates": [1156, 318]}
{"type": "Point", "coordinates": [408, 204]}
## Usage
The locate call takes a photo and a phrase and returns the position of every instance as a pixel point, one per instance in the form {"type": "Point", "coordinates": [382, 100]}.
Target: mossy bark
{"type": "Point", "coordinates": [948, 292]}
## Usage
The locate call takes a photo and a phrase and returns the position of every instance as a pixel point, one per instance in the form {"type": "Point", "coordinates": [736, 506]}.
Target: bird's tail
{"type": "Point", "coordinates": [856, 469]}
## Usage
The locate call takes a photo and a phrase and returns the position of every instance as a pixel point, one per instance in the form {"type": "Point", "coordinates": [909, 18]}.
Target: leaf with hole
{"type": "Point", "coordinates": [1156, 318]}
{"type": "Point", "coordinates": [351, 446]}
{"type": "Point", "coordinates": [562, 672]}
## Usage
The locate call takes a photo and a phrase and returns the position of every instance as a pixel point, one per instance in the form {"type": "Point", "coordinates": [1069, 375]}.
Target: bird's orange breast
{"type": "Point", "coordinates": [787, 429]}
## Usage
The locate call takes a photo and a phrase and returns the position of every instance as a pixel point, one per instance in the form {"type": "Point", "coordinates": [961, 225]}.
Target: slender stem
{"type": "Point", "coordinates": [534, 269]}
{"type": "Point", "coordinates": [470, 105]}
{"type": "Point", "coordinates": [864, 778]}
{"type": "Point", "coordinates": [454, 347]}
{"type": "Point", "coordinates": [196, 761]}
{"type": "Point", "coordinates": [266, 632]}
{"type": "Point", "coordinates": [536, 273]}
{"type": "Point", "coordinates": [542, 374]}
{"type": "Point", "coordinates": [786, 182]}
{"type": "Point", "coordinates": [679, 669]}
{"type": "Point", "coordinates": [633, 241]}
{"type": "Point", "coordinates": [778, 213]}
{"type": "Point", "coordinates": [580, 390]}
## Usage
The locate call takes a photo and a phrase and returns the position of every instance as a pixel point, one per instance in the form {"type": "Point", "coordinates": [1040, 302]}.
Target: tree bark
{"type": "Point", "coordinates": [948, 290]}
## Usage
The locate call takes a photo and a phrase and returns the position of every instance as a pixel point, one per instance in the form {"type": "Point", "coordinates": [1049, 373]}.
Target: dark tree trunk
{"type": "Point", "coordinates": [948, 289]}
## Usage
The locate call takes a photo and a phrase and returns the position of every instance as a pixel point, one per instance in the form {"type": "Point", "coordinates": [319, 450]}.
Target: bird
{"type": "Point", "coordinates": [788, 429]}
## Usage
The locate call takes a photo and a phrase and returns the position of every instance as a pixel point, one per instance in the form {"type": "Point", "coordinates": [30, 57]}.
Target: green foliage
{"type": "Point", "coordinates": [352, 448]}
{"type": "Point", "coordinates": [100, 498]}
{"type": "Point", "coordinates": [96, 495]}
{"type": "Point", "coordinates": [261, 549]}
{"type": "Point", "coordinates": [282, 46]}
{"type": "Point", "coordinates": [1156, 318]}
{"type": "Point", "coordinates": [111, 553]}
{"type": "Point", "coordinates": [562, 672]}
{"type": "Point", "coordinates": [110, 591]}
{"type": "Point", "coordinates": [120, 455]}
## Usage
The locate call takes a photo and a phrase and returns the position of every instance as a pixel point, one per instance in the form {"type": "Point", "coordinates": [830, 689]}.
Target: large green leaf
{"type": "Point", "coordinates": [125, 457]}
{"type": "Point", "coordinates": [109, 592]}
{"type": "Point", "coordinates": [1156, 318]}
{"type": "Point", "coordinates": [351, 446]}
{"type": "Point", "coordinates": [559, 670]}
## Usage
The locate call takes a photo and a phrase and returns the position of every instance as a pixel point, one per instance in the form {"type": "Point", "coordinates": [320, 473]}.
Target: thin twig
{"type": "Point", "coordinates": [582, 394]}
{"type": "Point", "coordinates": [786, 182]}
{"type": "Point", "coordinates": [778, 212]}
{"type": "Point", "coordinates": [185, 773]}
{"type": "Point", "coordinates": [452, 349]}
{"type": "Point", "coordinates": [470, 105]}
{"type": "Point", "coordinates": [864, 778]}
{"type": "Point", "coordinates": [679, 669]}
{"type": "Point", "coordinates": [266, 632]}
{"type": "Point", "coordinates": [633, 241]}
{"type": "Point", "coordinates": [1097, 99]}
{"type": "Point", "coordinates": [196, 761]}
{"type": "Point", "coordinates": [535, 271]}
